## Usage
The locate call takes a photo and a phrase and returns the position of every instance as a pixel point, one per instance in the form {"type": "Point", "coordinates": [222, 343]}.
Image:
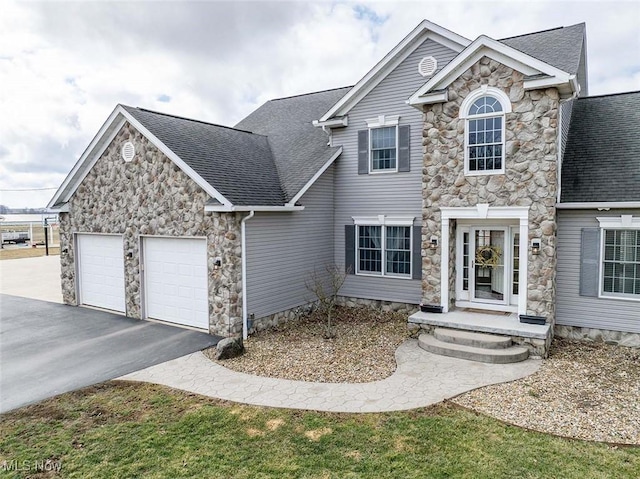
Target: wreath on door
{"type": "Point", "coordinates": [488, 256]}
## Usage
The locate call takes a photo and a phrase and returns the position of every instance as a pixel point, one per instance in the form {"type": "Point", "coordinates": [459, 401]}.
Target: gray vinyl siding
{"type": "Point", "coordinates": [383, 193]}
{"type": "Point", "coordinates": [284, 248]}
{"type": "Point", "coordinates": [573, 309]}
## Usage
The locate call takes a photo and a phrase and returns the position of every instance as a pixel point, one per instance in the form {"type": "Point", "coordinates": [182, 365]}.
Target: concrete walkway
{"type": "Point", "coordinates": [420, 379]}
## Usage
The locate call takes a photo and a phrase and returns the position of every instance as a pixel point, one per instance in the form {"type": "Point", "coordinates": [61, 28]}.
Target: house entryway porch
{"type": "Point", "coordinates": [535, 337]}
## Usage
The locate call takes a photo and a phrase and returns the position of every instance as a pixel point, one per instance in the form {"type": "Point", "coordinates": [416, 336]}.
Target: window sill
{"type": "Point", "coordinates": [373, 275]}
{"type": "Point", "coordinates": [382, 172]}
{"type": "Point", "coordinates": [621, 298]}
{"type": "Point", "coordinates": [484, 173]}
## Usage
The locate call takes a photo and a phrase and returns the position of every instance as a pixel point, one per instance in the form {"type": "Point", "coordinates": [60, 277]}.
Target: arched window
{"type": "Point", "coordinates": [484, 111]}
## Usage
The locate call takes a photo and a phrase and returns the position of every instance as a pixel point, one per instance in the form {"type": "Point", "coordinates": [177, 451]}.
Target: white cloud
{"type": "Point", "coordinates": [65, 65]}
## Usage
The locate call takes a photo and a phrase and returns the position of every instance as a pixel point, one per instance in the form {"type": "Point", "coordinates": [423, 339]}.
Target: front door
{"type": "Point", "coordinates": [487, 278]}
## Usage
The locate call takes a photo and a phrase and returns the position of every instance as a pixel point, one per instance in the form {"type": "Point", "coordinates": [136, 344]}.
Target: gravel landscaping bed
{"type": "Point", "coordinates": [583, 390]}
{"type": "Point", "coordinates": [363, 349]}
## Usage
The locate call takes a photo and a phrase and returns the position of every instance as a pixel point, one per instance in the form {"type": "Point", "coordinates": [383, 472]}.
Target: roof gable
{"type": "Point", "coordinates": [602, 156]}
{"type": "Point", "coordinates": [540, 73]}
{"type": "Point", "coordinates": [233, 167]}
{"type": "Point", "coordinates": [425, 30]}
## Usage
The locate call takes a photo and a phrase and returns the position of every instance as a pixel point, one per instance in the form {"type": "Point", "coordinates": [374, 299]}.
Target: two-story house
{"type": "Point", "coordinates": [476, 179]}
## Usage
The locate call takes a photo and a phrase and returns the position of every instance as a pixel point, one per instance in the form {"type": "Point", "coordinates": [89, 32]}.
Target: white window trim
{"type": "Point", "coordinates": [383, 121]}
{"type": "Point", "coordinates": [384, 221]}
{"type": "Point", "coordinates": [623, 222]}
{"type": "Point", "coordinates": [504, 101]}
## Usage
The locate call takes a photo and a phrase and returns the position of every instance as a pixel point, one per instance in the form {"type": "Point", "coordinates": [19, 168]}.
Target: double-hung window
{"type": "Point", "coordinates": [384, 151]}
{"type": "Point", "coordinates": [484, 112]}
{"type": "Point", "coordinates": [621, 262]}
{"type": "Point", "coordinates": [384, 249]}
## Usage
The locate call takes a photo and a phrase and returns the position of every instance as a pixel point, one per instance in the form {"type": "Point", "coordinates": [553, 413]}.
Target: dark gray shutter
{"type": "Point", "coordinates": [350, 249]}
{"type": "Point", "coordinates": [590, 262]}
{"type": "Point", "coordinates": [404, 138]}
{"type": "Point", "coordinates": [416, 253]}
{"type": "Point", "coordinates": [363, 152]}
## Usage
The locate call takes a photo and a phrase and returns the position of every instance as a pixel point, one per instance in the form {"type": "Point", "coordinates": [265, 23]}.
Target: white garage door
{"type": "Point", "coordinates": [101, 271]}
{"type": "Point", "coordinates": [176, 288]}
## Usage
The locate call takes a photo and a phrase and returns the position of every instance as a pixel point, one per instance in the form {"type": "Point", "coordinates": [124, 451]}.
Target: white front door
{"type": "Point", "coordinates": [487, 278]}
{"type": "Point", "coordinates": [101, 271]}
{"type": "Point", "coordinates": [487, 264]}
{"type": "Point", "coordinates": [176, 280]}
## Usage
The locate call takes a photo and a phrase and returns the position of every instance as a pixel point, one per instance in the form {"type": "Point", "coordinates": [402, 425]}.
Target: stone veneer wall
{"type": "Point", "coordinates": [530, 179]}
{"type": "Point", "coordinates": [152, 196]}
{"type": "Point", "coordinates": [293, 314]}
{"type": "Point", "coordinates": [621, 338]}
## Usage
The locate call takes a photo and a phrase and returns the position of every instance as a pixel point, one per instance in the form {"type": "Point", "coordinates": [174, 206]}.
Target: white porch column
{"type": "Point", "coordinates": [444, 264]}
{"type": "Point", "coordinates": [524, 265]}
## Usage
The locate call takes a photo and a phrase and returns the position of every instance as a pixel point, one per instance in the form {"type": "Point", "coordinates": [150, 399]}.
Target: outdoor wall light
{"type": "Point", "coordinates": [130, 254]}
{"type": "Point", "coordinates": [433, 242]}
{"type": "Point", "coordinates": [217, 263]}
{"type": "Point", "coordinates": [535, 246]}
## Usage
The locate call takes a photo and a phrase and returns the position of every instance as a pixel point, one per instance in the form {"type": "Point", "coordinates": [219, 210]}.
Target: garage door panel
{"type": "Point", "coordinates": [176, 287]}
{"type": "Point", "coordinates": [101, 271]}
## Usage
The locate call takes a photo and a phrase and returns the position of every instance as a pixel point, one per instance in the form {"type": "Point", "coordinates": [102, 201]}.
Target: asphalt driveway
{"type": "Point", "coordinates": [48, 349]}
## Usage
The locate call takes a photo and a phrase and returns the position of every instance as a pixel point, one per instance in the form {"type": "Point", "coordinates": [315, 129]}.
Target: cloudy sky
{"type": "Point", "coordinates": [65, 65]}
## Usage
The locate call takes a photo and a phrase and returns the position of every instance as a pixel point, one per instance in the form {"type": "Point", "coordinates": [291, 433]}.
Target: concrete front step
{"type": "Point", "coordinates": [511, 354]}
{"type": "Point", "coordinates": [468, 338]}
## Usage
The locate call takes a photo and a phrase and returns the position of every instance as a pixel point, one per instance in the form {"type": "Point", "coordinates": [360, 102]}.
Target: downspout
{"type": "Point", "coordinates": [243, 234]}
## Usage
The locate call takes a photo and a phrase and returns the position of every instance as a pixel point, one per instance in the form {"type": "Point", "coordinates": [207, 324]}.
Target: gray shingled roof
{"type": "Point", "coordinates": [602, 156]}
{"type": "Point", "coordinates": [299, 148]}
{"type": "Point", "coordinates": [559, 47]}
{"type": "Point", "coordinates": [238, 164]}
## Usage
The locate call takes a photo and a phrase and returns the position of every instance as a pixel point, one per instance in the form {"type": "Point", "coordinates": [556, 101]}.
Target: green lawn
{"type": "Point", "coordinates": [126, 430]}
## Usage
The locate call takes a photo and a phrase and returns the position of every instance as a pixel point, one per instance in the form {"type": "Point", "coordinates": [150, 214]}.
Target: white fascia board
{"type": "Point", "coordinates": [314, 178]}
{"type": "Point", "coordinates": [201, 182]}
{"type": "Point", "coordinates": [598, 205]}
{"type": "Point", "coordinates": [485, 46]}
{"type": "Point", "coordinates": [97, 142]}
{"type": "Point", "coordinates": [333, 123]}
{"type": "Point", "coordinates": [232, 209]}
{"type": "Point", "coordinates": [425, 30]}
{"type": "Point", "coordinates": [62, 209]}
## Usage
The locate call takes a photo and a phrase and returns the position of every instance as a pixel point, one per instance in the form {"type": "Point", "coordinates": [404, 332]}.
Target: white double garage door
{"type": "Point", "coordinates": [173, 277]}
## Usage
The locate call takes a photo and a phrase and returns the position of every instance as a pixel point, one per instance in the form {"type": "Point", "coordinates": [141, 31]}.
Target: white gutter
{"type": "Point", "coordinates": [338, 122]}
{"type": "Point", "coordinates": [243, 234]}
{"type": "Point", "coordinates": [600, 205]}
{"type": "Point", "coordinates": [231, 209]}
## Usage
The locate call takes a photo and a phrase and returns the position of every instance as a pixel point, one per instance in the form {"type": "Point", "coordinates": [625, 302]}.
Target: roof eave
{"type": "Point", "coordinates": [239, 208]}
{"type": "Point", "coordinates": [597, 205]}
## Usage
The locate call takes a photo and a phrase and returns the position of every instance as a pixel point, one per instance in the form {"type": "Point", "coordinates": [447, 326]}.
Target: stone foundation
{"type": "Point", "coordinates": [293, 314]}
{"type": "Point", "coordinates": [620, 338]}
{"type": "Point", "coordinates": [385, 306]}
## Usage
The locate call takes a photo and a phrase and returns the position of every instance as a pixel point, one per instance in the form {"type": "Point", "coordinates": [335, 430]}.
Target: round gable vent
{"type": "Point", "coordinates": [128, 151]}
{"type": "Point", "coordinates": [427, 66]}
